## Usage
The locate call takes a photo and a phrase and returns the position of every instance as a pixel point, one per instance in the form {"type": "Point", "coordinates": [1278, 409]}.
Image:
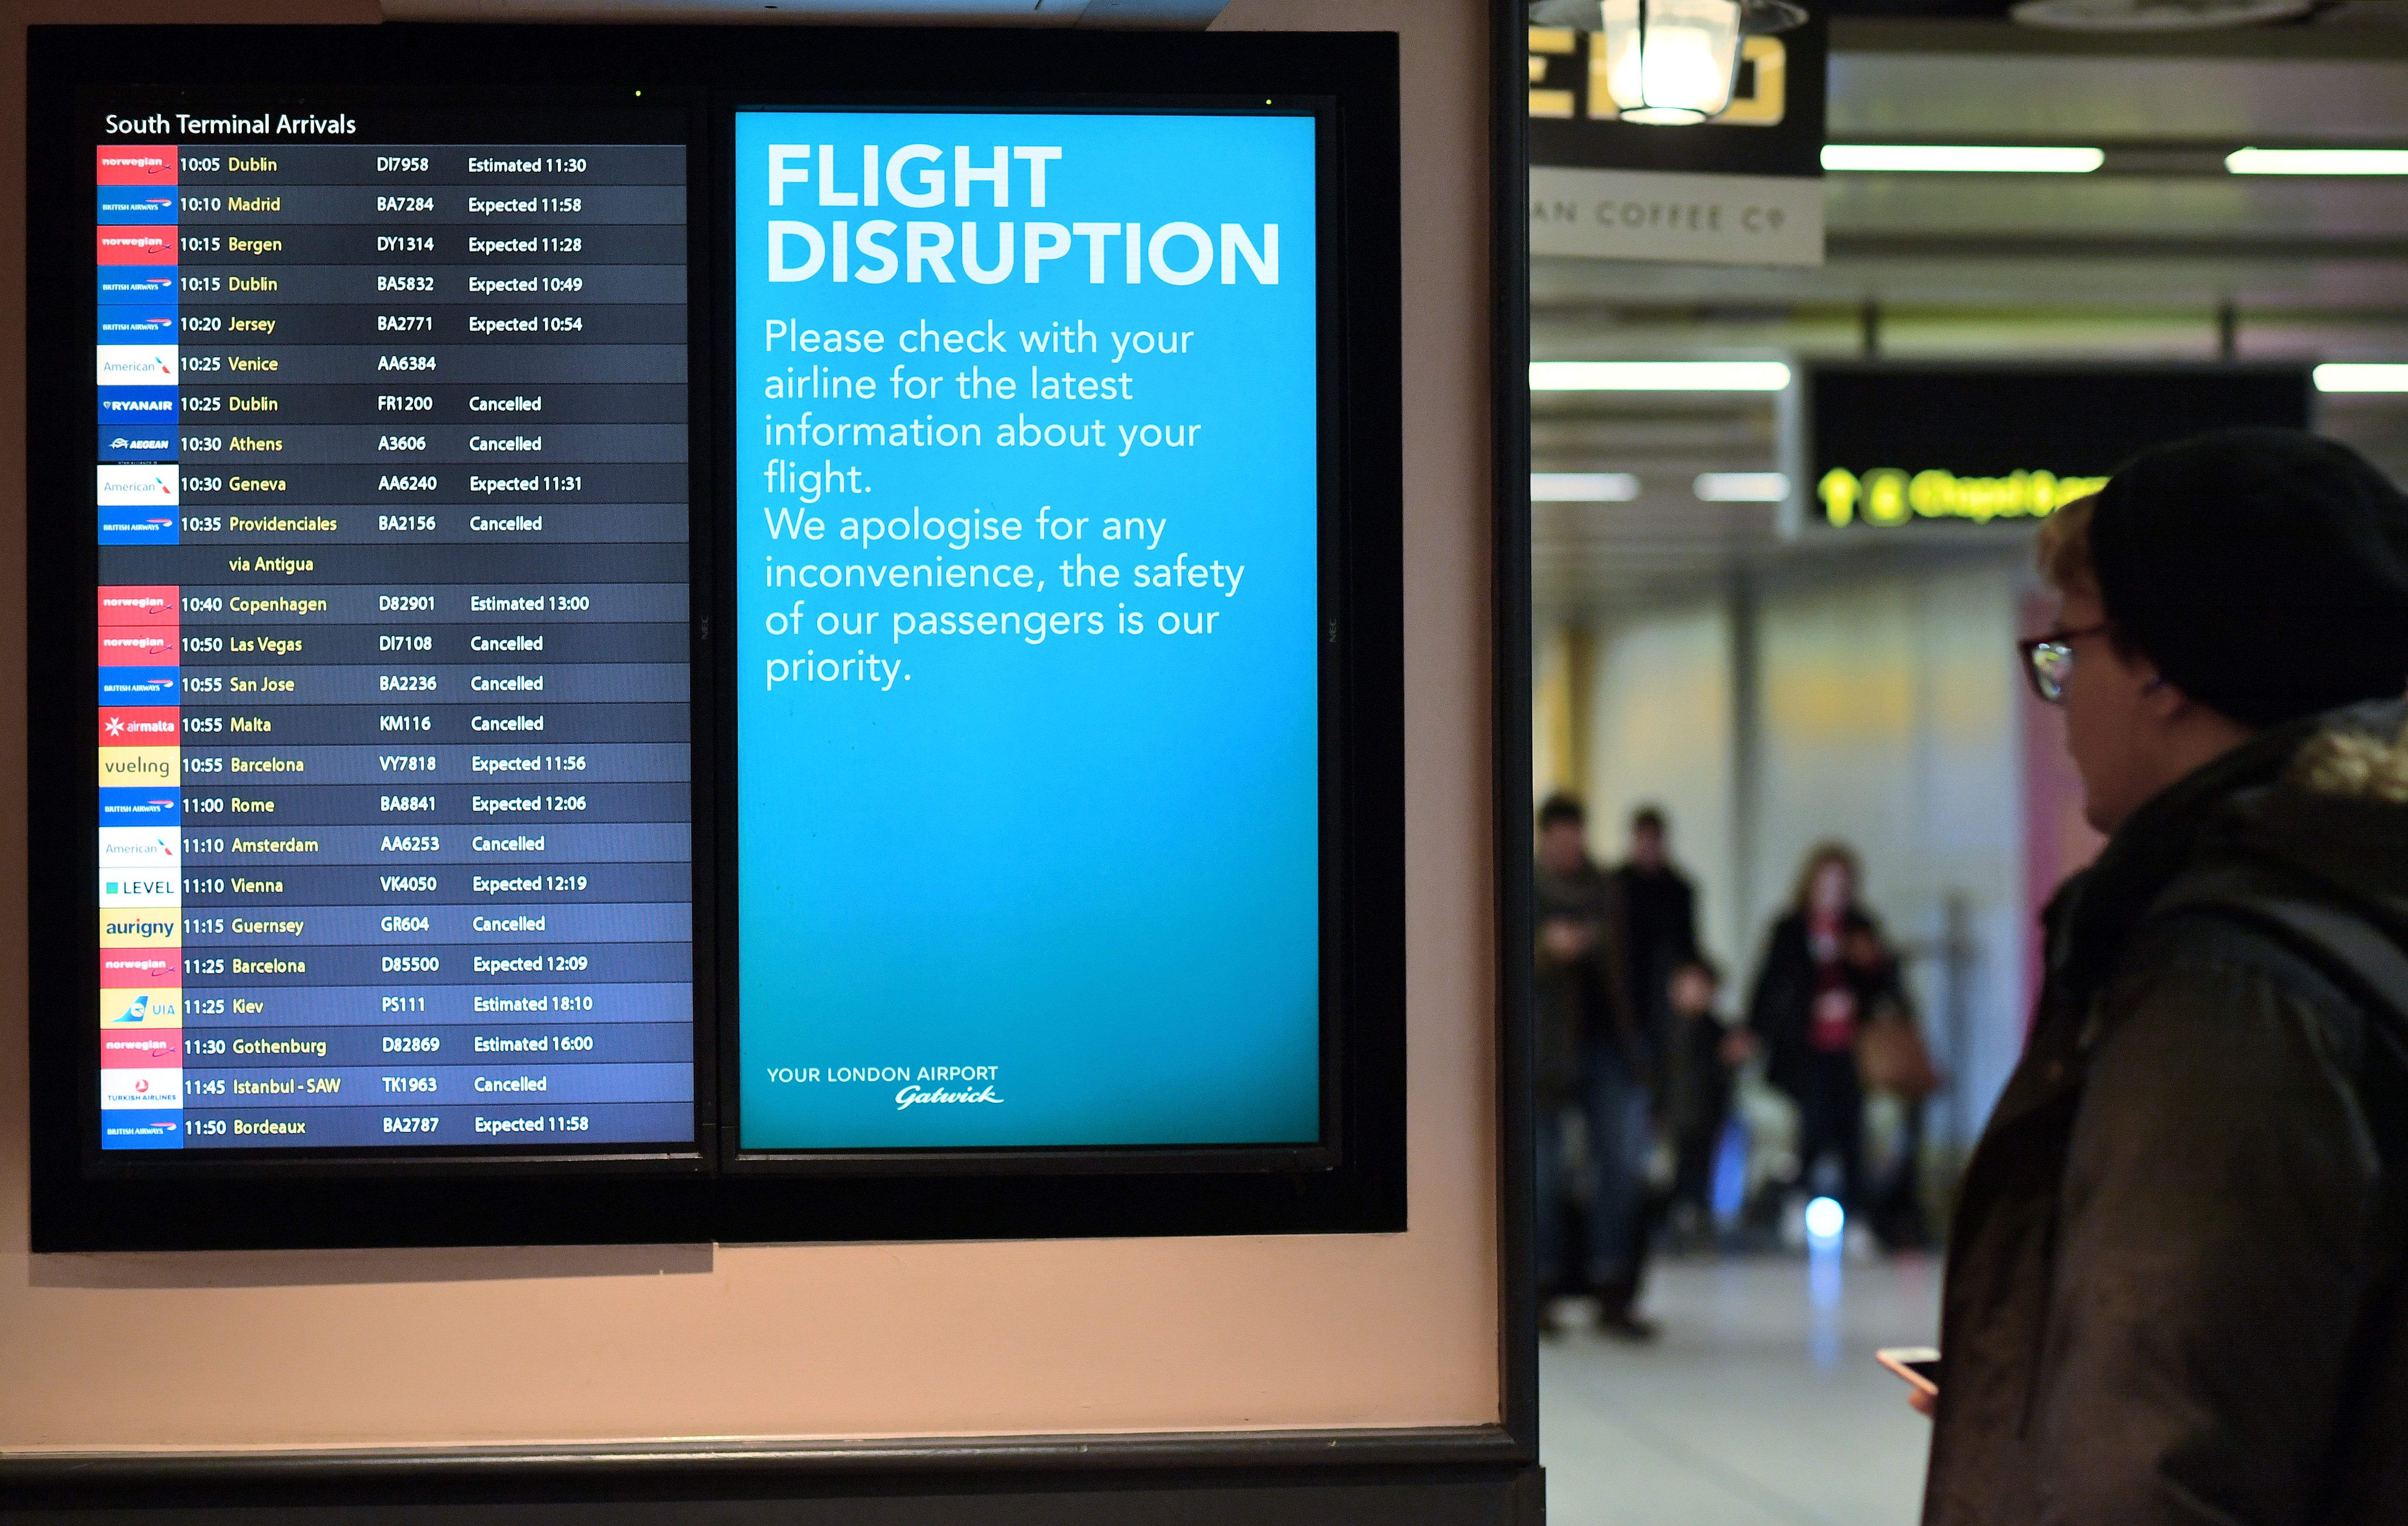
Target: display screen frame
{"type": "Point", "coordinates": [1328, 1149]}
{"type": "Point", "coordinates": [1351, 1179]}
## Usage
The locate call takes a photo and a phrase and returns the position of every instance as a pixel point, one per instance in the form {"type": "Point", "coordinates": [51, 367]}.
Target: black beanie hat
{"type": "Point", "coordinates": [2264, 571]}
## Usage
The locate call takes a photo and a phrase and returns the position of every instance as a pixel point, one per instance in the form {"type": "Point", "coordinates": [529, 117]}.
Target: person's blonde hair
{"type": "Point", "coordinates": [2063, 551]}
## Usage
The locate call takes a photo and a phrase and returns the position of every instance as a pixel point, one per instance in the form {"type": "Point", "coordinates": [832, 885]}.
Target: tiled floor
{"type": "Point", "coordinates": [1760, 1403]}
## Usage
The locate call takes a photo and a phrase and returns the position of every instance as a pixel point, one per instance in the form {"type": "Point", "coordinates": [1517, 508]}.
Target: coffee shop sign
{"type": "Point", "coordinates": [1651, 214]}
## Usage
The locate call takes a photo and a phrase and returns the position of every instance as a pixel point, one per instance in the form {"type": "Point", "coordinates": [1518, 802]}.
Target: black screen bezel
{"type": "Point", "coordinates": [1327, 1149]}
{"type": "Point", "coordinates": [1352, 1179]}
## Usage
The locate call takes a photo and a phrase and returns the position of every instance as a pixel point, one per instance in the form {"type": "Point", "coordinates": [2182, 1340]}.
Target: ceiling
{"type": "Point", "coordinates": [2158, 255]}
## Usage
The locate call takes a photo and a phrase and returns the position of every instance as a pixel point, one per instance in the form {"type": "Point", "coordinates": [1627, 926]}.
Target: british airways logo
{"type": "Point", "coordinates": [135, 203]}
{"type": "Point", "coordinates": [129, 323]}
{"type": "Point", "coordinates": [137, 283]}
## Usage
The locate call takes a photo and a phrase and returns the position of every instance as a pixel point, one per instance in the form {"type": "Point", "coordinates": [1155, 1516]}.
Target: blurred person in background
{"type": "Point", "coordinates": [2174, 1287]}
{"type": "Point", "coordinates": [1659, 908]}
{"type": "Point", "coordinates": [1583, 1024]}
{"type": "Point", "coordinates": [1701, 1054]}
{"type": "Point", "coordinates": [1825, 972]}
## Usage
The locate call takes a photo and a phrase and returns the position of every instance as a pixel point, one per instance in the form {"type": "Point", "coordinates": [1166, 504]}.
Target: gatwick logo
{"type": "Point", "coordinates": [911, 1096]}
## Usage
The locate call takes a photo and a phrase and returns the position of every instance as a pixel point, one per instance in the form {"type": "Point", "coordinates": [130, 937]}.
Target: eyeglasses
{"type": "Point", "coordinates": [2048, 660]}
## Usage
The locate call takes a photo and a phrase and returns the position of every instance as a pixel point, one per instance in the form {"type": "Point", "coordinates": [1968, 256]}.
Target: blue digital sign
{"type": "Point", "coordinates": [1029, 653]}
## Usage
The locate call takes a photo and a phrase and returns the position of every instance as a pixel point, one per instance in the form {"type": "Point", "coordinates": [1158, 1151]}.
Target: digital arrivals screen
{"type": "Point", "coordinates": [393, 734]}
{"type": "Point", "coordinates": [1027, 595]}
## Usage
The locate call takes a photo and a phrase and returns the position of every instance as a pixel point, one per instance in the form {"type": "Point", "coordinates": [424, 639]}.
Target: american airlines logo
{"type": "Point", "coordinates": [129, 483]}
{"type": "Point", "coordinates": [134, 366]}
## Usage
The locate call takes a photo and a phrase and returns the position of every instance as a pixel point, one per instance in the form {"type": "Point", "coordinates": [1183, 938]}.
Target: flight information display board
{"type": "Point", "coordinates": [394, 836]}
{"type": "Point", "coordinates": [754, 634]}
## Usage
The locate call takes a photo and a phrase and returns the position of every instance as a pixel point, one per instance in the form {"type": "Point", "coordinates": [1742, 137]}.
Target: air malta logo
{"type": "Point", "coordinates": [130, 728]}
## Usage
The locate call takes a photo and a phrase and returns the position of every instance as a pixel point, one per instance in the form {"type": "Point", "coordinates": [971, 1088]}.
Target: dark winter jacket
{"type": "Point", "coordinates": [1660, 912]}
{"type": "Point", "coordinates": [1781, 1008]}
{"type": "Point", "coordinates": [2173, 1281]}
{"type": "Point", "coordinates": [1578, 1001]}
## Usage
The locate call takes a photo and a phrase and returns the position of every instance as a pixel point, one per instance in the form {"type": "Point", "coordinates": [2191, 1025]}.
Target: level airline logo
{"type": "Point", "coordinates": [140, 890]}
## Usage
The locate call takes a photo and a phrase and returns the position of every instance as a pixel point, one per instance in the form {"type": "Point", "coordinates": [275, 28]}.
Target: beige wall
{"type": "Point", "coordinates": [1660, 733]}
{"type": "Point", "coordinates": [331, 1349]}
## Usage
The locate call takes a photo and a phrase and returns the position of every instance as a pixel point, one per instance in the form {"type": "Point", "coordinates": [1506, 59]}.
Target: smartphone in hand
{"type": "Point", "coordinates": [1918, 1365]}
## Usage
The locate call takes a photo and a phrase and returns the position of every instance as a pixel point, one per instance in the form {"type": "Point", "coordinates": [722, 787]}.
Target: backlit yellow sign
{"type": "Point", "coordinates": [1888, 495]}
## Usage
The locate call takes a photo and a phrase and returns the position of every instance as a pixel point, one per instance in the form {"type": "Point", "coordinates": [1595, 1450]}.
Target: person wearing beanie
{"type": "Point", "coordinates": [2175, 1278]}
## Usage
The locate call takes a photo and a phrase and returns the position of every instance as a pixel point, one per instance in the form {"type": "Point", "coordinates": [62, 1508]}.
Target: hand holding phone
{"type": "Point", "coordinates": [1920, 1366]}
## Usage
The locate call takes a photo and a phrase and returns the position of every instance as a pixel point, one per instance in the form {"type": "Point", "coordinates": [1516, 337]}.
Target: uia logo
{"type": "Point", "coordinates": [154, 1008]}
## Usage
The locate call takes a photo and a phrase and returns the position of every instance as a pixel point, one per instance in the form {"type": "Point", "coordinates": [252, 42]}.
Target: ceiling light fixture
{"type": "Point", "coordinates": [2360, 377]}
{"type": "Point", "coordinates": [1658, 376]}
{"type": "Point", "coordinates": [1583, 487]}
{"type": "Point", "coordinates": [1742, 487]}
{"type": "Point", "coordinates": [1959, 159]}
{"type": "Point", "coordinates": [1673, 63]}
{"type": "Point", "coordinates": [2317, 162]}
